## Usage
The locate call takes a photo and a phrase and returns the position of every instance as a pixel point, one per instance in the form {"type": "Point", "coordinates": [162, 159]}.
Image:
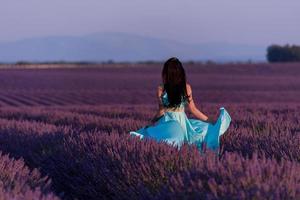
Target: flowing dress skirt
{"type": "Point", "coordinates": [175, 129]}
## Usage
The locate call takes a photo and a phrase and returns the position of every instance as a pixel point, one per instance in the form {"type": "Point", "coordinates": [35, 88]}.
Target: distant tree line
{"type": "Point", "coordinates": [287, 53]}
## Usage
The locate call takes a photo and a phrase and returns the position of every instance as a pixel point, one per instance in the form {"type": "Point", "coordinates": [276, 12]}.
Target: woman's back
{"type": "Point", "coordinates": [163, 95]}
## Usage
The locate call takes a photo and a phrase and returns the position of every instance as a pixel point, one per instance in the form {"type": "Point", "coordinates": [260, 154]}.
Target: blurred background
{"type": "Point", "coordinates": [131, 31]}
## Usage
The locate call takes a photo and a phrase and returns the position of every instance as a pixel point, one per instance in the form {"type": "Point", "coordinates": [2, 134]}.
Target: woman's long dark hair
{"type": "Point", "coordinates": [174, 80]}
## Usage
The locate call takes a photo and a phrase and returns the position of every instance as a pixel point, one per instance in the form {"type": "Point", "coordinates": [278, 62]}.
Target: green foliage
{"type": "Point", "coordinates": [287, 53]}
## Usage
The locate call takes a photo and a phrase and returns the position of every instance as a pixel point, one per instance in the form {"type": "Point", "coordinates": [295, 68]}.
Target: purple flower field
{"type": "Point", "coordinates": [64, 134]}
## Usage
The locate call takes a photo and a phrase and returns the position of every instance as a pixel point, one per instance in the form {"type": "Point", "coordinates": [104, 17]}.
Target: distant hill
{"type": "Point", "coordinates": [122, 47]}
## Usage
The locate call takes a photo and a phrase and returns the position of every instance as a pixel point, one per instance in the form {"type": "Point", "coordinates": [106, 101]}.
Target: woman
{"type": "Point", "coordinates": [170, 124]}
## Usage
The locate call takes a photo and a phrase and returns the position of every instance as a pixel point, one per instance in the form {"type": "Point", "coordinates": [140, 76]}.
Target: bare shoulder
{"type": "Point", "coordinates": [159, 90]}
{"type": "Point", "coordinates": [160, 87]}
{"type": "Point", "coordinates": [188, 88]}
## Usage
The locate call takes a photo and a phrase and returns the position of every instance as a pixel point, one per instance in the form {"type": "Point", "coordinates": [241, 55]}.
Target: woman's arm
{"type": "Point", "coordinates": [193, 108]}
{"type": "Point", "coordinates": [160, 111]}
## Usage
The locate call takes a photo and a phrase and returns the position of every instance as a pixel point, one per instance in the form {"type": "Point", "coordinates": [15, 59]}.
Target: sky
{"type": "Point", "coordinates": [254, 22]}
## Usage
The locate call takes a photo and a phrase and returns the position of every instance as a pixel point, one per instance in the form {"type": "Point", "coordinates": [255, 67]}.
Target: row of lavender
{"type": "Point", "coordinates": [88, 153]}
{"type": "Point", "coordinates": [137, 84]}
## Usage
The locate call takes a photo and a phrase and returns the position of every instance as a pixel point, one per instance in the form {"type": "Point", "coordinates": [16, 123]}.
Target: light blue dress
{"type": "Point", "coordinates": [175, 128]}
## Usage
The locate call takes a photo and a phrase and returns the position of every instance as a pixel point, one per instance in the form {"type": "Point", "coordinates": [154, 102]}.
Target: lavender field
{"type": "Point", "coordinates": [64, 134]}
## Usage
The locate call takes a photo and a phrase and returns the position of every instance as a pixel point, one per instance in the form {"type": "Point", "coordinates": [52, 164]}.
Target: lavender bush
{"type": "Point", "coordinates": [18, 182]}
{"type": "Point", "coordinates": [75, 130]}
{"type": "Point", "coordinates": [102, 162]}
